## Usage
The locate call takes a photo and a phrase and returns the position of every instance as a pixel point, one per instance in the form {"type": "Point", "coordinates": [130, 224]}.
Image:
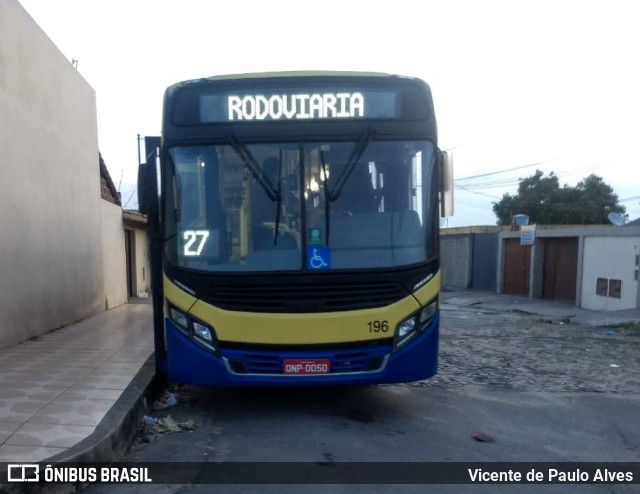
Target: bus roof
{"type": "Point", "coordinates": [292, 73]}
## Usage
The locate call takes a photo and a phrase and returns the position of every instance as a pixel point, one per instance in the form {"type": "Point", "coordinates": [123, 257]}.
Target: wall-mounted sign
{"type": "Point", "coordinates": [527, 234]}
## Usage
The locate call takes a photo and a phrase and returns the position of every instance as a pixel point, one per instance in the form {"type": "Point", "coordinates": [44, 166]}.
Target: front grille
{"type": "Point", "coordinates": [303, 298]}
{"type": "Point", "coordinates": [368, 359]}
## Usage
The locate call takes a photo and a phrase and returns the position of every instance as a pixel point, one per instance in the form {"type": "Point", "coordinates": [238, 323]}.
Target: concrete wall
{"type": "Point", "coordinates": [51, 244]}
{"type": "Point", "coordinates": [139, 268]}
{"type": "Point", "coordinates": [611, 258]}
{"type": "Point", "coordinates": [113, 256]}
{"type": "Point", "coordinates": [142, 263]}
{"type": "Point", "coordinates": [457, 251]}
{"type": "Point", "coordinates": [455, 261]}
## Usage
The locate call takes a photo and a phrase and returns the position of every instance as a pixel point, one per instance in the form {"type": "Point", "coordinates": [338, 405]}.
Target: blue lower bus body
{"type": "Point", "coordinates": [189, 363]}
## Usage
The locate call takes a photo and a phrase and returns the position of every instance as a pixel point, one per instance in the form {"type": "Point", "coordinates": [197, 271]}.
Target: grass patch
{"type": "Point", "coordinates": [633, 325]}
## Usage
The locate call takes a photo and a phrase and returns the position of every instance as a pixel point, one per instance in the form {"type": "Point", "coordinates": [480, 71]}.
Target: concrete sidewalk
{"type": "Point", "coordinates": [63, 393]}
{"type": "Point", "coordinates": [545, 308]}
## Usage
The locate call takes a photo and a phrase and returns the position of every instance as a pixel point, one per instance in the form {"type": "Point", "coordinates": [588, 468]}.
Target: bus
{"type": "Point", "coordinates": [294, 222]}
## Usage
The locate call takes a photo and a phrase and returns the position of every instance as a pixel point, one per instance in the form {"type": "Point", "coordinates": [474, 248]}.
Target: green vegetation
{"type": "Point", "coordinates": [633, 325]}
{"type": "Point", "coordinates": [546, 203]}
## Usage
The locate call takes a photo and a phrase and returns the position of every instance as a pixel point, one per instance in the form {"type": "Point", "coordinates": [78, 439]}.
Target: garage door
{"type": "Point", "coordinates": [560, 269]}
{"type": "Point", "coordinates": [517, 261]}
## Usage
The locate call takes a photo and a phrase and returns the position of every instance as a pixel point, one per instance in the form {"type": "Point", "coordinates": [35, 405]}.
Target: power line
{"type": "Point", "coordinates": [508, 182]}
{"type": "Point", "coordinates": [505, 170]}
{"type": "Point", "coordinates": [474, 192]}
{"type": "Point", "coordinates": [492, 184]}
{"type": "Point", "coordinates": [130, 196]}
{"type": "Point", "coordinates": [453, 147]}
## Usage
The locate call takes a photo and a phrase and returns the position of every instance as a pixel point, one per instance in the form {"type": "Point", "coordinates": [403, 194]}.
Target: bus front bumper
{"type": "Point", "coordinates": [189, 363]}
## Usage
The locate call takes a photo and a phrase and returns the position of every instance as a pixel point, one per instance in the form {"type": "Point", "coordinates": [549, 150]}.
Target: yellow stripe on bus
{"type": "Point", "coordinates": [315, 328]}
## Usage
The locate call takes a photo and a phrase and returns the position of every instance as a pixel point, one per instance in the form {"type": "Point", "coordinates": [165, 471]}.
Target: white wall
{"type": "Point", "coordinates": [113, 256]}
{"type": "Point", "coordinates": [51, 239]}
{"type": "Point", "coordinates": [610, 257]}
{"type": "Point", "coordinates": [143, 265]}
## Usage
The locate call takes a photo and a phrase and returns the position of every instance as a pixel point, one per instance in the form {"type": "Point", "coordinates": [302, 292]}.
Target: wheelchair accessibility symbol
{"type": "Point", "coordinates": [318, 258]}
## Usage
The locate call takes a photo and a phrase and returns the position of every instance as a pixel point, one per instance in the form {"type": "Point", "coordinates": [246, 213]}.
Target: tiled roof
{"type": "Point", "coordinates": [108, 190]}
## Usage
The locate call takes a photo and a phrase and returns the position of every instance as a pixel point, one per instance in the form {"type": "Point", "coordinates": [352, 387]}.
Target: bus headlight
{"type": "Point", "coordinates": [428, 312]}
{"type": "Point", "coordinates": [204, 336]}
{"type": "Point", "coordinates": [199, 332]}
{"type": "Point", "coordinates": [412, 326]}
{"type": "Point", "coordinates": [406, 328]}
{"type": "Point", "coordinates": [202, 331]}
{"type": "Point", "coordinates": [180, 318]}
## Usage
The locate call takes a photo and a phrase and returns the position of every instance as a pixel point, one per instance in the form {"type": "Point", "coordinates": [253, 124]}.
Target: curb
{"type": "Point", "coordinates": [112, 437]}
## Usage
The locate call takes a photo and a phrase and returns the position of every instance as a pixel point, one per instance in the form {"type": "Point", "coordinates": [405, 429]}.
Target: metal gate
{"type": "Point", "coordinates": [483, 266]}
{"type": "Point", "coordinates": [560, 269]}
{"type": "Point", "coordinates": [517, 267]}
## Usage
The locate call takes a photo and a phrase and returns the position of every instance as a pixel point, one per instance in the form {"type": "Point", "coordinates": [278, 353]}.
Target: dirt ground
{"type": "Point", "coordinates": [521, 351]}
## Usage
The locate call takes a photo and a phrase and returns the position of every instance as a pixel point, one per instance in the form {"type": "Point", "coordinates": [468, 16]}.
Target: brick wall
{"type": "Point", "coordinates": [105, 192]}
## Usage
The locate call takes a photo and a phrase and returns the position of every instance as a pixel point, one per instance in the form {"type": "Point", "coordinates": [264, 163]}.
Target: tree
{"type": "Point", "coordinates": [545, 202]}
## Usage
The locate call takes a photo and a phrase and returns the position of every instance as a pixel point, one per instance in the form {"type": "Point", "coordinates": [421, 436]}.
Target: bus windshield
{"type": "Point", "coordinates": [304, 206]}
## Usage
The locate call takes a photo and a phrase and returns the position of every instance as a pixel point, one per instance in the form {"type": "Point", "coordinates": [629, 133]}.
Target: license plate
{"type": "Point", "coordinates": [306, 366]}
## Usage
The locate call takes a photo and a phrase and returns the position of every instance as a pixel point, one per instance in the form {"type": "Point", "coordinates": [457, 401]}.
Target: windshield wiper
{"type": "Point", "coordinates": [274, 194]}
{"type": "Point", "coordinates": [279, 205]}
{"type": "Point", "coordinates": [362, 144]}
{"type": "Point", "coordinates": [245, 155]}
{"type": "Point", "coordinates": [325, 191]}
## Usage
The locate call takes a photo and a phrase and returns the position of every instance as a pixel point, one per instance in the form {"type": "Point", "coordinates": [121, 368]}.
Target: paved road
{"type": "Point", "coordinates": [541, 390]}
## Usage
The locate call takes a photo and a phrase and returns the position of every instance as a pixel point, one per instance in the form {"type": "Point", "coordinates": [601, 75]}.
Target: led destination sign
{"type": "Point", "coordinates": [298, 105]}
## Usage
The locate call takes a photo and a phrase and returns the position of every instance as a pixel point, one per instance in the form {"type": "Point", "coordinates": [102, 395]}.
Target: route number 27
{"type": "Point", "coordinates": [194, 241]}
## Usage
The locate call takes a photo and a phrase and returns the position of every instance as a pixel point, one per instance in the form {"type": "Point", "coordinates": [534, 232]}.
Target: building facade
{"type": "Point", "coordinates": [594, 267]}
{"type": "Point", "coordinates": [62, 245]}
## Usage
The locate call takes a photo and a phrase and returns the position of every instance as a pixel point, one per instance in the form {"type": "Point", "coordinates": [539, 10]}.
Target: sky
{"type": "Point", "coordinates": [518, 85]}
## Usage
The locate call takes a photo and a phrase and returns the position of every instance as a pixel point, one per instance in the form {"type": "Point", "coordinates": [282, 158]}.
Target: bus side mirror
{"type": "Point", "coordinates": [147, 187]}
{"type": "Point", "coordinates": [446, 183]}
{"type": "Point", "coordinates": [148, 178]}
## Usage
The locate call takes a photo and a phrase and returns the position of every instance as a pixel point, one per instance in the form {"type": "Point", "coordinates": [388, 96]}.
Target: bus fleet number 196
{"type": "Point", "coordinates": [378, 326]}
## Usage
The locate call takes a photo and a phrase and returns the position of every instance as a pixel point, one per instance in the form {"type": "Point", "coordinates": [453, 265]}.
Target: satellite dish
{"type": "Point", "coordinates": [617, 219]}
